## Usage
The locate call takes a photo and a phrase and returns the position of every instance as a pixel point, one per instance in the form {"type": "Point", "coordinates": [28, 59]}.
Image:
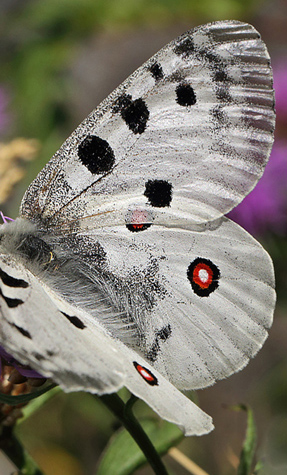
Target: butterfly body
{"type": "Point", "coordinates": [121, 241]}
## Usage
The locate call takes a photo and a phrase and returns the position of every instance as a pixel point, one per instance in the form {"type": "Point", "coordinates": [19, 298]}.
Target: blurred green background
{"type": "Point", "coordinates": [58, 60]}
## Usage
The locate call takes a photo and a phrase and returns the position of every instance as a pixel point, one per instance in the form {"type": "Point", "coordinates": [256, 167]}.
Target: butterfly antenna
{"type": "Point", "coordinates": [5, 219]}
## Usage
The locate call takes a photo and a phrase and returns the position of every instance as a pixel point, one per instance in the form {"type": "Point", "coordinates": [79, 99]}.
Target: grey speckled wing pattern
{"type": "Point", "coordinates": [122, 269]}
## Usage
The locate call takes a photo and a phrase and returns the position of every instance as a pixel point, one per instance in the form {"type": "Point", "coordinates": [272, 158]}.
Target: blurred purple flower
{"type": "Point", "coordinates": [265, 208]}
{"type": "Point", "coordinates": [24, 370]}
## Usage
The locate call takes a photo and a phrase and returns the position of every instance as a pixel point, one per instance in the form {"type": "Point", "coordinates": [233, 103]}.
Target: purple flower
{"type": "Point", "coordinates": [265, 208]}
{"type": "Point", "coordinates": [24, 370]}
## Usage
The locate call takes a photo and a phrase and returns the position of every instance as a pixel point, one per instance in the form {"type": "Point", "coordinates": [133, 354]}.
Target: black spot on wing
{"type": "Point", "coordinates": [185, 95]}
{"type": "Point", "coordinates": [220, 75]}
{"type": "Point", "coordinates": [135, 228]}
{"type": "Point", "coordinates": [184, 47]}
{"type": "Point", "coordinates": [38, 356]}
{"type": "Point", "coordinates": [156, 71]}
{"type": "Point", "coordinates": [12, 303]}
{"type": "Point", "coordinates": [22, 331]}
{"type": "Point", "coordinates": [222, 94]}
{"type": "Point", "coordinates": [158, 192]}
{"type": "Point", "coordinates": [96, 154]}
{"type": "Point", "coordinates": [75, 321]}
{"type": "Point", "coordinates": [210, 56]}
{"type": "Point", "coordinates": [217, 65]}
{"type": "Point", "coordinates": [219, 116]}
{"type": "Point", "coordinates": [162, 335]}
{"type": "Point", "coordinates": [134, 113]}
{"type": "Point", "coordinates": [12, 281]}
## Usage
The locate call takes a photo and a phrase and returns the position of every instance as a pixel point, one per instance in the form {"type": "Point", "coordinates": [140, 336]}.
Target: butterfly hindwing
{"type": "Point", "coordinates": [196, 304]}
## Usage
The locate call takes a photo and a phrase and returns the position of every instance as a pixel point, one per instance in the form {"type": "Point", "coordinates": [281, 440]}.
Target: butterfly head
{"type": "Point", "coordinates": [21, 238]}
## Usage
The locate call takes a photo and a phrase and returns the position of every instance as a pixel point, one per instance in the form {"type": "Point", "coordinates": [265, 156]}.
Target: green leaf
{"type": "Point", "coordinates": [123, 456]}
{"type": "Point", "coordinates": [14, 400]}
{"type": "Point", "coordinates": [258, 467]}
{"type": "Point", "coordinates": [249, 444]}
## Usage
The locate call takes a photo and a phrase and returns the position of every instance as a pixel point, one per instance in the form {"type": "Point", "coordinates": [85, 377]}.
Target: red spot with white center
{"type": "Point", "coordinates": [202, 275]}
{"type": "Point", "coordinates": [146, 374]}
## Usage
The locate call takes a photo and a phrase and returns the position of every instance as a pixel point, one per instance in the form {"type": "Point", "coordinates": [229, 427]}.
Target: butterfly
{"type": "Point", "coordinates": [122, 269]}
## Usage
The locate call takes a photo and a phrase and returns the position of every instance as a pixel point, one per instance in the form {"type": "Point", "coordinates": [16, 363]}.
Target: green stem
{"type": "Point", "coordinates": [124, 413]}
{"type": "Point", "coordinates": [15, 451]}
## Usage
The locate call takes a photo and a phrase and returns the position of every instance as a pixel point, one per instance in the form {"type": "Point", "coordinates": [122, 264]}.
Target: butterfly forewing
{"type": "Point", "coordinates": [183, 139]}
{"type": "Point", "coordinates": [49, 335]}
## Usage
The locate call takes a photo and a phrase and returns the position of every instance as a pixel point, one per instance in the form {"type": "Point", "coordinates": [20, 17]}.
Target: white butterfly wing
{"type": "Point", "coordinates": [49, 337]}
{"type": "Point", "coordinates": [183, 139]}
{"type": "Point", "coordinates": [76, 352]}
{"type": "Point", "coordinates": [148, 384]}
{"type": "Point", "coordinates": [198, 304]}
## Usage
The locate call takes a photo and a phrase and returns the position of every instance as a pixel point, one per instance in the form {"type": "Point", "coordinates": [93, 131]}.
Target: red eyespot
{"type": "Point", "coordinates": [203, 276]}
{"type": "Point", "coordinates": [146, 374]}
{"type": "Point", "coordinates": [137, 227]}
